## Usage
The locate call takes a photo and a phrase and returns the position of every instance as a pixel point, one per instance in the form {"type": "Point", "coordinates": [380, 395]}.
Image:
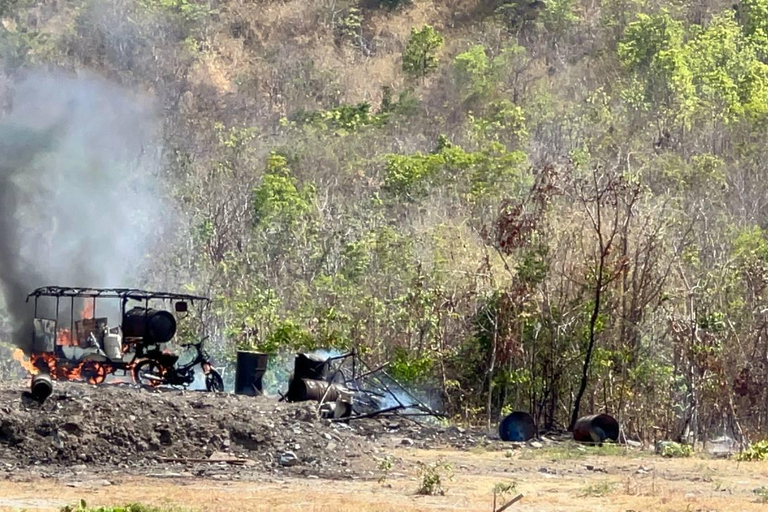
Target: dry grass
{"type": "Point", "coordinates": [615, 482]}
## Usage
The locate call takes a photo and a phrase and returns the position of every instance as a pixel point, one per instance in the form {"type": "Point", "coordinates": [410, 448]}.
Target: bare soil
{"type": "Point", "coordinates": [338, 468]}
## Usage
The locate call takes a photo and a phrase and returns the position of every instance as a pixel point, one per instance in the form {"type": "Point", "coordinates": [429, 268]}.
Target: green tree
{"type": "Point", "coordinates": [730, 80]}
{"type": "Point", "coordinates": [419, 57]}
{"type": "Point", "coordinates": [652, 49]}
{"type": "Point", "coordinates": [277, 199]}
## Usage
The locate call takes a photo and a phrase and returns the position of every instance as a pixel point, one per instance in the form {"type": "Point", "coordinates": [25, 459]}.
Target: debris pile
{"type": "Point", "coordinates": [348, 389]}
{"type": "Point", "coordinates": [126, 427]}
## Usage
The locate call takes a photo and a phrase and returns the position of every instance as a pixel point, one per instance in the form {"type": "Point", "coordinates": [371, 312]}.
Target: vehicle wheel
{"type": "Point", "coordinates": [148, 373]}
{"type": "Point", "coordinates": [94, 373]}
{"type": "Point", "coordinates": [214, 382]}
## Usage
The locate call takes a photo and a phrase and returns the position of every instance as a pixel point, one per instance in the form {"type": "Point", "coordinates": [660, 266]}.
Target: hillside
{"type": "Point", "coordinates": [550, 206]}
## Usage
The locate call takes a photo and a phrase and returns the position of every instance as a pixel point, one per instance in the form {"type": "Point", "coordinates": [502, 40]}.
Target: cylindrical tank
{"type": "Point", "coordinates": [596, 429]}
{"type": "Point", "coordinates": [152, 325]}
{"type": "Point", "coordinates": [42, 386]}
{"type": "Point", "coordinates": [302, 390]}
{"type": "Point", "coordinates": [249, 371]}
{"type": "Point", "coordinates": [518, 426]}
{"type": "Point", "coordinates": [113, 344]}
{"type": "Point", "coordinates": [310, 366]}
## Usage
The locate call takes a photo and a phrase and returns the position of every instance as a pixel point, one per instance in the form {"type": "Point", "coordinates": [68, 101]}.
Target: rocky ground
{"type": "Point", "coordinates": [220, 452]}
{"type": "Point", "coordinates": [143, 431]}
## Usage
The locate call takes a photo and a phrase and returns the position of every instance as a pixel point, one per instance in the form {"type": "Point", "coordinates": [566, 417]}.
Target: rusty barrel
{"type": "Point", "coordinates": [596, 429]}
{"type": "Point", "coordinates": [302, 390]}
{"type": "Point", "coordinates": [249, 371]}
{"type": "Point", "coordinates": [518, 426]}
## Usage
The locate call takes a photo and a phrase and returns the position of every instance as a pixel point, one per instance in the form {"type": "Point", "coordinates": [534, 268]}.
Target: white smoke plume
{"type": "Point", "coordinates": [79, 197]}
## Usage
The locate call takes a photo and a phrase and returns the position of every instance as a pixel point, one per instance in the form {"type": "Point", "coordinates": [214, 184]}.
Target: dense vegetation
{"type": "Point", "coordinates": [550, 206]}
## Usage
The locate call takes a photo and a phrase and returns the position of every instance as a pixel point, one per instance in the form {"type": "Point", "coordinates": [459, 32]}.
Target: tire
{"type": "Point", "coordinates": [148, 373]}
{"type": "Point", "coordinates": [214, 382]}
{"type": "Point", "coordinates": [94, 373]}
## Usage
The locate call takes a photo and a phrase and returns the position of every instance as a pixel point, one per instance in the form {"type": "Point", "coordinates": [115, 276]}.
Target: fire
{"type": "Point", "coordinates": [87, 311]}
{"type": "Point", "coordinates": [59, 366]}
{"type": "Point", "coordinates": [18, 355]}
{"type": "Point", "coordinates": [64, 338]}
{"type": "Point", "coordinates": [92, 372]}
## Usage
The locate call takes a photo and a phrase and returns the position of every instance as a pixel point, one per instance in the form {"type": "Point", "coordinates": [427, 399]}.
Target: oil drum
{"type": "Point", "coordinates": [302, 390]}
{"type": "Point", "coordinates": [310, 366]}
{"type": "Point", "coordinates": [153, 326]}
{"type": "Point", "coordinates": [249, 371]}
{"type": "Point", "coordinates": [518, 426]}
{"type": "Point", "coordinates": [596, 429]}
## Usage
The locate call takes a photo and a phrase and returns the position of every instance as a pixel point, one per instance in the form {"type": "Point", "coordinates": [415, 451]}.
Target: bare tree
{"type": "Point", "coordinates": [606, 198]}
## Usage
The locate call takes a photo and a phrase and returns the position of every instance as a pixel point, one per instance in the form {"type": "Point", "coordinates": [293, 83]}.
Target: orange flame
{"type": "Point", "coordinates": [64, 338]}
{"type": "Point", "coordinates": [87, 311]}
{"type": "Point", "coordinates": [93, 372]}
{"type": "Point", "coordinates": [88, 371]}
{"type": "Point", "coordinates": [18, 355]}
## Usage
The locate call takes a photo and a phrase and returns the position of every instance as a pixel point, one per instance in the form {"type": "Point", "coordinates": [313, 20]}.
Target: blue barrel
{"type": "Point", "coordinates": [518, 426]}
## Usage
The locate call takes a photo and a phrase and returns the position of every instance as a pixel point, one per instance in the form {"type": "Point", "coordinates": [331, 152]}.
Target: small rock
{"type": "Point", "coordinates": [289, 459]}
{"type": "Point", "coordinates": [535, 444]}
{"type": "Point", "coordinates": [407, 442]}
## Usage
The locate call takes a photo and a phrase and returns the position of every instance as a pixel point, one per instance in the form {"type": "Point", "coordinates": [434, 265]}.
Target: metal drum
{"type": "Point", "coordinates": [596, 429]}
{"type": "Point", "coordinates": [310, 366]}
{"type": "Point", "coordinates": [518, 426]}
{"type": "Point", "coordinates": [302, 390]}
{"type": "Point", "coordinates": [151, 325]}
{"type": "Point", "coordinates": [250, 369]}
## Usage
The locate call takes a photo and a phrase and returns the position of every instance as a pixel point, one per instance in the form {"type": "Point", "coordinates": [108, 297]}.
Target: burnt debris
{"type": "Point", "coordinates": [346, 388]}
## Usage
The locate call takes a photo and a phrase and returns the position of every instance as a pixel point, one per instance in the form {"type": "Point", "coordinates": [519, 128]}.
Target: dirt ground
{"type": "Point", "coordinates": [553, 478]}
{"type": "Point", "coordinates": [115, 445]}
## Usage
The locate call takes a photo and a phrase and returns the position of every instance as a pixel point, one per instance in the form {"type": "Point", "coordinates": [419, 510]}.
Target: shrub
{"type": "Point", "coordinates": [432, 477]}
{"type": "Point", "coordinates": [419, 55]}
{"type": "Point", "coordinates": [676, 450]}
{"type": "Point", "coordinates": [762, 494]}
{"type": "Point", "coordinates": [755, 451]}
{"type": "Point", "coordinates": [599, 489]}
{"type": "Point", "coordinates": [132, 507]}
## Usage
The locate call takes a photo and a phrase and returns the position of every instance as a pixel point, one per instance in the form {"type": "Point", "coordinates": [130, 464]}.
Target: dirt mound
{"type": "Point", "coordinates": [121, 426]}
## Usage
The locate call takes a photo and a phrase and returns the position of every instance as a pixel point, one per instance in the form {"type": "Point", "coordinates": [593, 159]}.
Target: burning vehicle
{"type": "Point", "coordinates": [89, 348]}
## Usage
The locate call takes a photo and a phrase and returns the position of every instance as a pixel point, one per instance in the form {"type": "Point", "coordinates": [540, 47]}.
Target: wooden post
{"type": "Point", "coordinates": [505, 507]}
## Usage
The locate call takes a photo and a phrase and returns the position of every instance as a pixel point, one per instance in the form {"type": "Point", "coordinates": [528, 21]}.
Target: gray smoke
{"type": "Point", "coordinates": [79, 202]}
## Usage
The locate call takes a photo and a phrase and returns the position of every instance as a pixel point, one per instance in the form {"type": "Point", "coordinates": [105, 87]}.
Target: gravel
{"type": "Point", "coordinates": [162, 431]}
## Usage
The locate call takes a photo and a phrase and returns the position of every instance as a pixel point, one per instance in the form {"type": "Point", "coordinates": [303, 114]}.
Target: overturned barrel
{"type": "Point", "coordinates": [302, 390]}
{"type": "Point", "coordinates": [596, 429]}
{"type": "Point", "coordinates": [42, 387]}
{"type": "Point", "coordinates": [153, 326]}
{"type": "Point", "coordinates": [249, 372]}
{"type": "Point", "coordinates": [518, 426]}
{"type": "Point", "coordinates": [310, 366]}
